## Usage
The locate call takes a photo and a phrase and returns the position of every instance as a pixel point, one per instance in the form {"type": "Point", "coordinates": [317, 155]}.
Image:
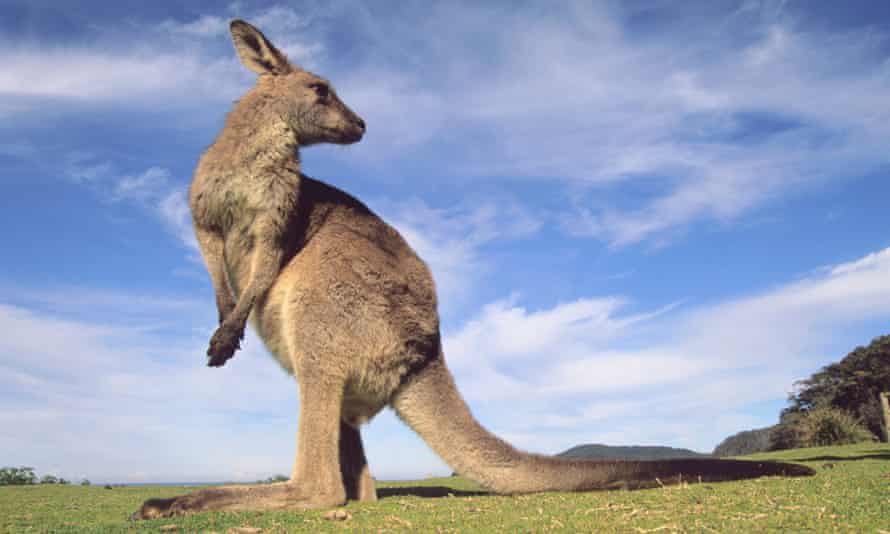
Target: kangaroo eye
{"type": "Point", "coordinates": [320, 89]}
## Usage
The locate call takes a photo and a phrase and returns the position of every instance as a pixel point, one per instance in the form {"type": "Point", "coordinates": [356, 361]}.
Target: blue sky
{"type": "Point", "coordinates": [645, 219]}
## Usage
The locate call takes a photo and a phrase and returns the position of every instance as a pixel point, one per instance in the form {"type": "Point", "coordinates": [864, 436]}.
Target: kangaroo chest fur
{"type": "Point", "coordinates": [233, 202]}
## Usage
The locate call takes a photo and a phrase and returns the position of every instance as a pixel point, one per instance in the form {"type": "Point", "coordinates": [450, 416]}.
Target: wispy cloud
{"type": "Point", "coordinates": [722, 122]}
{"type": "Point", "coordinates": [79, 167]}
{"type": "Point", "coordinates": [166, 200]}
{"type": "Point", "coordinates": [174, 63]}
{"type": "Point", "coordinates": [275, 19]}
{"type": "Point", "coordinates": [67, 301]}
{"type": "Point", "coordinates": [203, 26]}
{"type": "Point", "coordinates": [174, 211]}
{"type": "Point", "coordinates": [111, 77]}
{"type": "Point", "coordinates": [153, 190]}
{"type": "Point", "coordinates": [147, 184]}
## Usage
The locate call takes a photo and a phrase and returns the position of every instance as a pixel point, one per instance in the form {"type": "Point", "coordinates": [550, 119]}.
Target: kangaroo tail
{"type": "Point", "coordinates": [431, 405]}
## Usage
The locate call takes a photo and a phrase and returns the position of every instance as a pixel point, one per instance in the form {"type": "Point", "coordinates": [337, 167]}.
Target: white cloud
{"type": "Point", "coordinates": [72, 301]}
{"type": "Point", "coordinates": [278, 19]}
{"type": "Point", "coordinates": [595, 374]}
{"type": "Point", "coordinates": [115, 400]}
{"type": "Point", "coordinates": [182, 64]}
{"type": "Point", "coordinates": [79, 167]}
{"type": "Point", "coordinates": [560, 98]}
{"type": "Point", "coordinates": [153, 189]}
{"type": "Point", "coordinates": [505, 331]}
{"type": "Point", "coordinates": [174, 211]}
{"type": "Point", "coordinates": [145, 185]}
{"type": "Point", "coordinates": [104, 76]}
{"type": "Point", "coordinates": [870, 263]}
{"type": "Point", "coordinates": [203, 26]}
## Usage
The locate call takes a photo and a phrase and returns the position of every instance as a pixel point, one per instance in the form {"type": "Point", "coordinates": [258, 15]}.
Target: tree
{"type": "Point", "coordinates": [49, 479]}
{"type": "Point", "coordinates": [273, 479]}
{"type": "Point", "coordinates": [852, 384]}
{"type": "Point", "coordinates": [84, 482]}
{"type": "Point", "coordinates": [16, 476]}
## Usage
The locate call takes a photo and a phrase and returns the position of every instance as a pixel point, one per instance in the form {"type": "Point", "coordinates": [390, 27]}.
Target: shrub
{"type": "Point", "coordinates": [830, 426]}
{"type": "Point", "coordinates": [818, 427]}
{"type": "Point", "coordinates": [788, 434]}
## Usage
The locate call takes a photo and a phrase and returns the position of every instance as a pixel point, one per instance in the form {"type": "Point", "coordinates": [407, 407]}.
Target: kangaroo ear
{"type": "Point", "coordinates": [256, 52]}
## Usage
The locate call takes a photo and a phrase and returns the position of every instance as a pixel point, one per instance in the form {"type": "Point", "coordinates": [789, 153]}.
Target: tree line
{"type": "Point", "coordinates": [24, 476]}
{"type": "Point", "coordinates": [839, 404]}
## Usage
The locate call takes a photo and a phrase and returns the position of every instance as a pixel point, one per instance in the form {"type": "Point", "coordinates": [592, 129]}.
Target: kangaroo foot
{"type": "Point", "coordinates": [225, 341]}
{"type": "Point", "coordinates": [284, 496]}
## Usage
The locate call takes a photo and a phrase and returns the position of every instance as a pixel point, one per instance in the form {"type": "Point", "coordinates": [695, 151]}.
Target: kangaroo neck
{"type": "Point", "coordinates": [255, 137]}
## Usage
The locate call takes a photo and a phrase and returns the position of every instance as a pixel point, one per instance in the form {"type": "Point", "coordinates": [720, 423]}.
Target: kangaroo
{"type": "Point", "coordinates": [346, 306]}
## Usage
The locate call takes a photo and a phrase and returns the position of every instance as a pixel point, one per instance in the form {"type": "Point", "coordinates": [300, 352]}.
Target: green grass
{"type": "Point", "coordinates": [851, 493]}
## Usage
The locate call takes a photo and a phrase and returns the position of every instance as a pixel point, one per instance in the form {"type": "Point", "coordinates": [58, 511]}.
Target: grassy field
{"type": "Point", "coordinates": [851, 493]}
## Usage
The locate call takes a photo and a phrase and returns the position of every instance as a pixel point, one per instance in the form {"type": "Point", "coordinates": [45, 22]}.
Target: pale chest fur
{"type": "Point", "coordinates": [248, 171]}
{"type": "Point", "coordinates": [230, 200]}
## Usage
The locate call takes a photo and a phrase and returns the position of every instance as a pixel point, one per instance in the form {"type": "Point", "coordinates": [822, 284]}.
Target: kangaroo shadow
{"type": "Point", "coordinates": [427, 492]}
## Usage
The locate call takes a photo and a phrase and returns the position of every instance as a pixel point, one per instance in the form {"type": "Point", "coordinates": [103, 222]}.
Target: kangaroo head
{"type": "Point", "coordinates": [307, 103]}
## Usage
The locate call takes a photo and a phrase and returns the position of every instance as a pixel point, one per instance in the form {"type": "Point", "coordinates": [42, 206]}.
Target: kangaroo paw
{"type": "Point", "coordinates": [225, 341]}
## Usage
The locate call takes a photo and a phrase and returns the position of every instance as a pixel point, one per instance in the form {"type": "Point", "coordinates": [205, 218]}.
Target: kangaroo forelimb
{"type": "Point", "coordinates": [212, 247]}
{"type": "Point", "coordinates": [265, 263]}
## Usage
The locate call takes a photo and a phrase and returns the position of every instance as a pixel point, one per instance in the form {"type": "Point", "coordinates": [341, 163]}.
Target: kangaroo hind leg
{"type": "Point", "coordinates": [317, 471]}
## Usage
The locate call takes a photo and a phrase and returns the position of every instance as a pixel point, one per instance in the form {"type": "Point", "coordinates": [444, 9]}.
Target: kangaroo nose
{"type": "Point", "coordinates": [361, 123]}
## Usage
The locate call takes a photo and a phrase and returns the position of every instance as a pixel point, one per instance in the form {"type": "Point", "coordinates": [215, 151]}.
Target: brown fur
{"type": "Point", "coordinates": [347, 307]}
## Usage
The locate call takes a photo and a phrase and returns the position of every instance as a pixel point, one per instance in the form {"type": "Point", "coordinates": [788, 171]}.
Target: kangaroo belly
{"type": "Point", "coordinates": [347, 305]}
{"type": "Point", "coordinates": [360, 406]}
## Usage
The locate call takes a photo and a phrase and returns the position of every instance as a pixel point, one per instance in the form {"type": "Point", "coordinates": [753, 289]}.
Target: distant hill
{"type": "Point", "coordinates": [746, 442]}
{"type": "Point", "coordinates": [634, 452]}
